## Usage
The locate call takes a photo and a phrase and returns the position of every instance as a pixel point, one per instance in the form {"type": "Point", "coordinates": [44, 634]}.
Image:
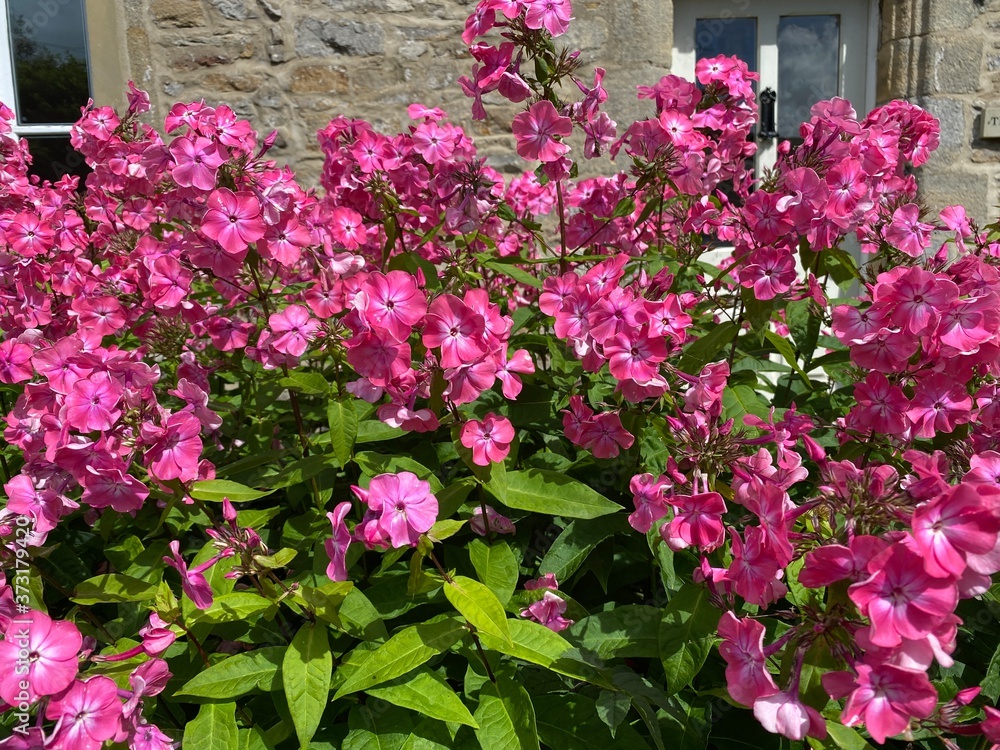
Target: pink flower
{"type": "Point", "coordinates": [174, 449]}
{"type": "Point", "coordinates": [604, 436]}
{"type": "Point", "coordinates": [939, 403]}
{"type": "Point", "coordinates": [907, 232]}
{"type": "Point", "coordinates": [15, 362]}
{"type": "Point", "coordinates": [294, 328]}
{"type": "Point", "coordinates": [548, 611]}
{"type": "Point", "coordinates": [698, 522]}
{"type": "Point", "coordinates": [193, 580]}
{"type": "Point", "coordinates": [883, 697]}
{"type": "Point", "coordinates": [881, 407]}
{"type": "Point", "coordinates": [393, 303]}
{"type": "Point", "coordinates": [962, 520]}
{"type": "Point", "coordinates": [197, 161]}
{"type": "Point", "coordinates": [347, 227]}
{"type": "Point", "coordinates": [547, 581]}
{"type": "Point", "coordinates": [488, 440]}
{"type": "Point", "coordinates": [233, 220]}
{"type": "Point", "coordinates": [551, 15]}
{"type": "Point", "coordinates": [88, 714]}
{"type": "Point", "coordinates": [900, 599]}
{"type": "Point", "coordinates": [536, 130]}
{"type": "Point", "coordinates": [742, 647]}
{"type": "Point", "coordinates": [336, 546]}
{"type": "Point", "coordinates": [52, 662]}
{"type": "Point", "coordinates": [456, 328]}
{"type": "Point", "coordinates": [92, 403]}
{"type": "Point", "coordinates": [404, 504]}
{"type": "Point", "coordinates": [783, 713]}
{"type": "Point", "coordinates": [490, 522]}
{"type": "Point", "coordinates": [648, 497]}
{"type": "Point", "coordinates": [769, 272]}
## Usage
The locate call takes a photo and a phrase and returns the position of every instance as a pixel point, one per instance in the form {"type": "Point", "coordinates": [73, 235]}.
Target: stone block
{"type": "Point", "coordinates": [954, 130]}
{"type": "Point", "coordinates": [318, 79]}
{"type": "Point", "coordinates": [234, 10]}
{"type": "Point", "coordinates": [199, 52]}
{"type": "Point", "coordinates": [223, 82]}
{"type": "Point", "coordinates": [954, 65]}
{"type": "Point", "coordinates": [940, 188]}
{"type": "Point", "coordinates": [315, 38]}
{"type": "Point", "coordinates": [179, 14]}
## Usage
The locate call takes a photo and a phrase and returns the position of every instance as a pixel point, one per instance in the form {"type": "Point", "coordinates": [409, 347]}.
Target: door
{"type": "Point", "coordinates": [805, 51]}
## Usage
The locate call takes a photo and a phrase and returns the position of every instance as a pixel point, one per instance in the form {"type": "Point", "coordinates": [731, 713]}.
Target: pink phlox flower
{"type": "Point", "coordinates": [755, 571]}
{"type": "Point", "coordinates": [52, 662]}
{"type": "Point", "coordinates": [938, 405]}
{"type": "Point", "coordinates": [15, 361]}
{"type": "Point", "coordinates": [742, 647]}
{"type": "Point", "coordinates": [785, 714]}
{"type": "Point", "coordinates": [489, 439]}
{"type": "Point", "coordinates": [548, 611]}
{"type": "Point", "coordinates": [697, 522]}
{"type": "Point", "coordinates": [89, 713]}
{"type": "Point", "coordinates": [233, 220]}
{"type": "Point", "coordinates": [294, 328]}
{"type": "Point", "coordinates": [456, 328]}
{"type": "Point", "coordinates": [551, 15]}
{"type": "Point", "coordinates": [906, 232]}
{"type": "Point", "coordinates": [336, 546]}
{"type": "Point", "coordinates": [490, 522]}
{"type": "Point", "coordinates": [536, 131]}
{"type": "Point", "coordinates": [964, 519]}
{"type": "Point", "coordinates": [196, 162]}
{"type": "Point", "coordinates": [175, 448]}
{"type": "Point", "coordinates": [193, 580]}
{"type": "Point", "coordinates": [649, 498]}
{"type": "Point", "coordinates": [605, 437]}
{"type": "Point", "coordinates": [393, 303]}
{"type": "Point", "coordinates": [404, 505]}
{"type": "Point", "coordinates": [347, 227]}
{"type": "Point", "coordinates": [881, 407]}
{"type": "Point", "coordinates": [769, 272]}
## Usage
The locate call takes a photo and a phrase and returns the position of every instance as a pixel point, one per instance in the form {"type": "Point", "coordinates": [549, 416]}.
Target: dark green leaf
{"type": "Point", "coordinates": [549, 492]}
{"type": "Point", "coordinates": [687, 632]}
{"type": "Point", "coordinates": [306, 673]}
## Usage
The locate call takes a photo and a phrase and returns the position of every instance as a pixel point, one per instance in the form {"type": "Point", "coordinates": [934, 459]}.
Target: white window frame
{"type": "Point", "coordinates": [858, 28]}
{"type": "Point", "coordinates": [8, 94]}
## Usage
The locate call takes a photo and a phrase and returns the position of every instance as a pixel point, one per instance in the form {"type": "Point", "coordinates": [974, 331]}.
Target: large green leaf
{"type": "Point", "coordinates": [343, 419]}
{"type": "Point", "coordinates": [306, 672]}
{"type": "Point", "coordinates": [479, 606]}
{"type": "Point", "coordinates": [234, 607]}
{"type": "Point", "coordinates": [506, 717]}
{"type": "Point", "coordinates": [377, 726]}
{"type": "Point", "coordinates": [537, 644]}
{"type": "Point", "coordinates": [113, 588]}
{"type": "Point", "coordinates": [214, 728]}
{"type": "Point", "coordinates": [555, 494]}
{"type": "Point", "coordinates": [741, 400]}
{"type": "Point", "coordinates": [236, 676]}
{"type": "Point", "coordinates": [496, 567]}
{"type": "Point", "coordinates": [631, 630]}
{"type": "Point", "coordinates": [373, 464]}
{"type": "Point", "coordinates": [405, 651]}
{"type": "Point", "coordinates": [217, 490]}
{"type": "Point", "coordinates": [575, 543]}
{"type": "Point", "coordinates": [571, 722]}
{"type": "Point", "coordinates": [427, 693]}
{"type": "Point", "coordinates": [708, 347]}
{"type": "Point", "coordinates": [687, 632]}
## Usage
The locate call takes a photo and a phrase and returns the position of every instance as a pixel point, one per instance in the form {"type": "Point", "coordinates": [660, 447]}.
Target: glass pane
{"type": "Point", "coordinates": [808, 68]}
{"type": "Point", "coordinates": [53, 156]}
{"type": "Point", "coordinates": [49, 45]}
{"type": "Point", "coordinates": [727, 36]}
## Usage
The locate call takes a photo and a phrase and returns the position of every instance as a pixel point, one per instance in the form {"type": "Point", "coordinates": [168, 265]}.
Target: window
{"type": "Point", "coordinates": [45, 78]}
{"type": "Point", "coordinates": [804, 52]}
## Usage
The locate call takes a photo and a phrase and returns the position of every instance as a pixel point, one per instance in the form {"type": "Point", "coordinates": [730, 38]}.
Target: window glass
{"type": "Point", "coordinates": [727, 36]}
{"type": "Point", "coordinates": [49, 48]}
{"type": "Point", "coordinates": [54, 156]}
{"type": "Point", "coordinates": [808, 68]}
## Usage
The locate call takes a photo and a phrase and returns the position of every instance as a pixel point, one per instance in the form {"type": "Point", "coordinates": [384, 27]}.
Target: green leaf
{"type": "Point", "coordinates": [234, 607]}
{"type": "Point", "coordinates": [237, 675]}
{"type": "Point", "coordinates": [217, 490]}
{"type": "Point", "coordinates": [575, 543]}
{"type": "Point", "coordinates": [612, 708]}
{"type": "Point", "coordinates": [427, 693]}
{"type": "Point", "coordinates": [343, 419]}
{"type": "Point", "coordinates": [708, 347]}
{"type": "Point", "coordinates": [327, 600]}
{"type": "Point", "coordinates": [306, 673]}
{"type": "Point", "coordinates": [310, 383]}
{"type": "Point", "coordinates": [687, 632]}
{"type": "Point", "coordinates": [496, 566]}
{"type": "Point", "coordinates": [555, 494]}
{"type": "Point", "coordinates": [571, 722]}
{"type": "Point", "coordinates": [373, 464]}
{"type": "Point", "coordinates": [405, 651]}
{"type": "Point", "coordinates": [785, 350]}
{"type": "Point", "coordinates": [214, 728]}
{"type": "Point", "coordinates": [113, 588]}
{"type": "Point", "coordinates": [377, 726]}
{"type": "Point", "coordinates": [757, 311]}
{"type": "Point", "coordinates": [846, 738]}
{"type": "Point", "coordinates": [279, 559]}
{"type": "Point", "coordinates": [537, 644]}
{"type": "Point", "coordinates": [375, 431]}
{"type": "Point", "coordinates": [506, 717]}
{"type": "Point", "coordinates": [513, 272]}
{"type": "Point", "coordinates": [479, 606]}
{"type": "Point", "coordinates": [625, 207]}
{"type": "Point", "coordinates": [741, 400]}
{"type": "Point", "coordinates": [632, 630]}
{"type": "Point", "coordinates": [301, 470]}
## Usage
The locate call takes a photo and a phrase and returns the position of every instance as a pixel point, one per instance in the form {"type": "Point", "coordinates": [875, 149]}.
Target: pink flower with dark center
{"type": "Point", "coordinates": [635, 357]}
{"type": "Point", "coordinates": [456, 328]}
{"type": "Point", "coordinates": [93, 402]}
{"type": "Point", "coordinates": [697, 523]}
{"type": "Point", "coordinates": [336, 546]}
{"type": "Point", "coordinates": [881, 407]}
{"type": "Point", "coordinates": [233, 220]}
{"type": "Point", "coordinates": [197, 161]}
{"type": "Point", "coordinates": [742, 647]}
{"type": "Point", "coordinates": [605, 436]}
{"type": "Point", "coordinates": [769, 272]}
{"type": "Point", "coordinates": [294, 328]}
{"type": "Point", "coordinates": [648, 495]}
{"type": "Point", "coordinates": [900, 599]}
{"type": "Point", "coordinates": [755, 572]}
{"type": "Point", "coordinates": [548, 611]}
{"type": "Point", "coordinates": [111, 486]}
{"type": "Point", "coordinates": [15, 362]}
{"type": "Point", "coordinates": [100, 315]}
{"type": "Point", "coordinates": [433, 142]}
{"type": "Point", "coordinates": [916, 296]}
{"type": "Point", "coordinates": [393, 303]}
{"type": "Point", "coordinates": [52, 663]}
{"type": "Point", "coordinates": [88, 714]}
{"type": "Point", "coordinates": [551, 15]}
{"type": "Point", "coordinates": [964, 519]}
{"type": "Point", "coordinates": [939, 404]}
{"type": "Point", "coordinates": [405, 506]}
{"type": "Point", "coordinates": [489, 440]}
{"type": "Point", "coordinates": [27, 235]}
{"type": "Point", "coordinates": [347, 227]}
{"type": "Point", "coordinates": [537, 129]}
{"type": "Point", "coordinates": [907, 232]}
{"type": "Point", "coordinates": [174, 449]}
{"type": "Point", "coordinates": [284, 241]}
{"type": "Point", "coordinates": [377, 358]}
{"type": "Point", "coordinates": [883, 697]}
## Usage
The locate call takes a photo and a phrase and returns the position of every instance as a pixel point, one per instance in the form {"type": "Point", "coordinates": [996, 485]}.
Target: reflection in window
{"type": "Point", "coordinates": [808, 68]}
{"type": "Point", "coordinates": [53, 157]}
{"type": "Point", "coordinates": [727, 36]}
{"type": "Point", "coordinates": [49, 46]}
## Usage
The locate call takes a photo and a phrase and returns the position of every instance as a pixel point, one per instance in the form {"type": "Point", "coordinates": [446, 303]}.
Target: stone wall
{"type": "Point", "coordinates": [945, 56]}
{"type": "Point", "coordinates": [291, 65]}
